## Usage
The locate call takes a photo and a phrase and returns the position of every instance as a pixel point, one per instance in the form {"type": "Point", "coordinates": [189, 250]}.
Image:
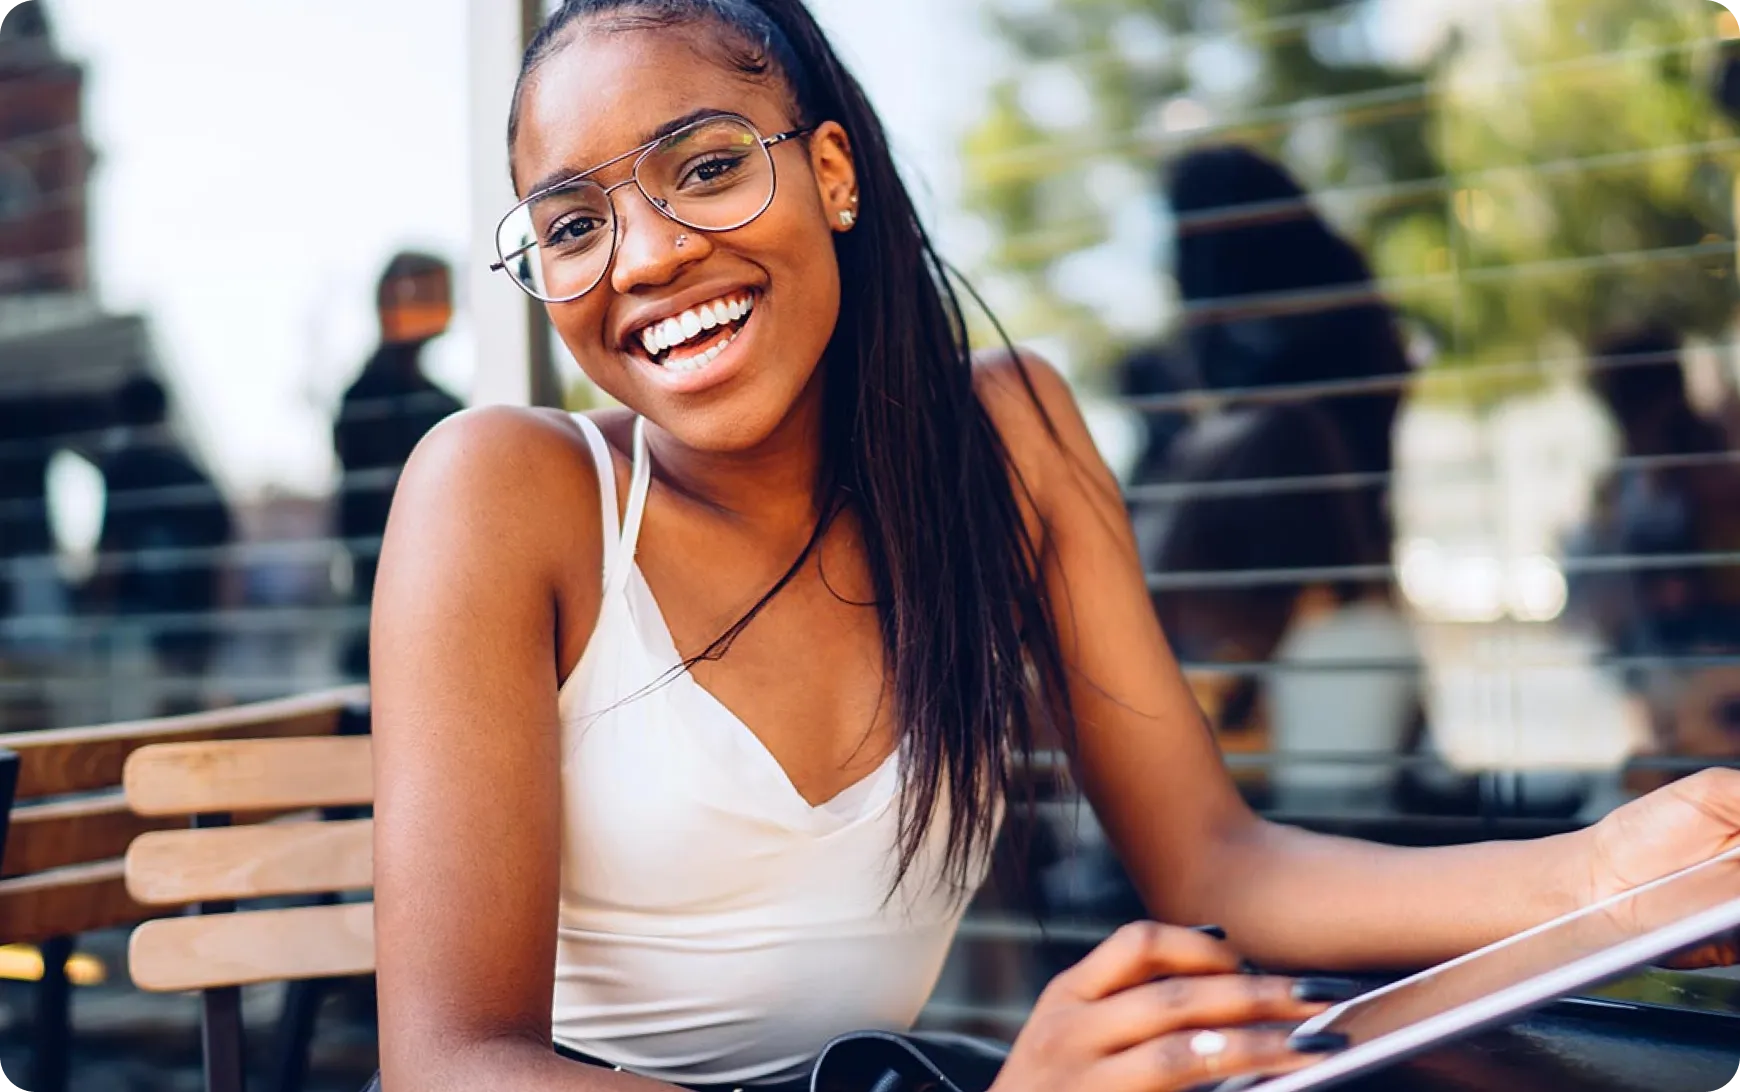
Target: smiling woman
{"type": "Point", "coordinates": [696, 721]}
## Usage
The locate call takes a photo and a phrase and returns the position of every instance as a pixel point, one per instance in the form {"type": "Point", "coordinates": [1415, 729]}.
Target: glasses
{"type": "Point", "coordinates": [715, 174]}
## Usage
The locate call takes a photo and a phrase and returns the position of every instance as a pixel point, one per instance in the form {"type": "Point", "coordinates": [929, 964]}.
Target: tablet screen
{"type": "Point", "coordinates": [1531, 954]}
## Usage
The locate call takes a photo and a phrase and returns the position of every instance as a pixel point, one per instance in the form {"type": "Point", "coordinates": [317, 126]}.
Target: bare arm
{"type": "Point", "coordinates": [1149, 764]}
{"type": "Point", "coordinates": [495, 516]}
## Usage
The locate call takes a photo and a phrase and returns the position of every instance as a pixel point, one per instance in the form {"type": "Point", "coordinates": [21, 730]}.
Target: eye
{"type": "Point", "coordinates": [573, 231]}
{"type": "Point", "coordinates": [712, 171]}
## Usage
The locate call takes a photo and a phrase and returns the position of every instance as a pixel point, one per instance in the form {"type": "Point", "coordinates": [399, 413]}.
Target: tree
{"type": "Point", "coordinates": [1588, 167]}
{"type": "Point", "coordinates": [1299, 79]}
{"type": "Point", "coordinates": [1537, 172]}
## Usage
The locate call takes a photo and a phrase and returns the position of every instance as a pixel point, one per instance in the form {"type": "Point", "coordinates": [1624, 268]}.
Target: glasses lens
{"type": "Point", "coordinates": [558, 244]}
{"type": "Point", "coordinates": [714, 176]}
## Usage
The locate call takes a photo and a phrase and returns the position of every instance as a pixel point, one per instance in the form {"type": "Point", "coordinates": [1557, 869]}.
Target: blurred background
{"type": "Point", "coordinates": [1409, 324]}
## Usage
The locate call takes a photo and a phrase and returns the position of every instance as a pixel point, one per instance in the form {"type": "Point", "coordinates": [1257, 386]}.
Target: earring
{"type": "Point", "coordinates": [848, 218]}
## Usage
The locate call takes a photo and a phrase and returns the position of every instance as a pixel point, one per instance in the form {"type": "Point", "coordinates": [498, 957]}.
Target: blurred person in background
{"type": "Point", "coordinates": [1271, 630]}
{"type": "Point", "coordinates": [164, 521]}
{"type": "Point", "coordinates": [1674, 493]}
{"type": "Point", "coordinates": [695, 720]}
{"type": "Point", "coordinates": [1274, 296]}
{"type": "Point", "coordinates": [35, 599]}
{"type": "Point", "coordinates": [385, 412]}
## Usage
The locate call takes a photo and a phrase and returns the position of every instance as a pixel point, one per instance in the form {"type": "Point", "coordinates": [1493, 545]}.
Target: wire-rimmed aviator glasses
{"type": "Point", "coordinates": [714, 174]}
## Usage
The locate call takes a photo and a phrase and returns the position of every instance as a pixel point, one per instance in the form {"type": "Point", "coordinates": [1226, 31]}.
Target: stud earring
{"type": "Point", "coordinates": [848, 218]}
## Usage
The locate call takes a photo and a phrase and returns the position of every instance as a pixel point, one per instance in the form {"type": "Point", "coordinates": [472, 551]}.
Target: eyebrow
{"type": "Point", "coordinates": [570, 174]}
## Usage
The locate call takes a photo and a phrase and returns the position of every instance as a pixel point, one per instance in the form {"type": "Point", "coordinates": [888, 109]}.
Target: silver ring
{"type": "Point", "coordinates": [1209, 1046]}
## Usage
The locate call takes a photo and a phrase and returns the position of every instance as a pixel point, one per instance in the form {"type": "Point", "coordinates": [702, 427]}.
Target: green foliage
{"type": "Point", "coordinates": [1553, 167]}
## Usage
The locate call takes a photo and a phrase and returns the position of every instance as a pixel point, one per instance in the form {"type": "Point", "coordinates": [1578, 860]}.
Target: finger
{"type": "Point", "coordinates": [1153, 1009]}
{"type": "Point", "coordinates": [1722, 951]}
{"type": "Point", "coordinates": [1140, 952]}
{"type": "Point", "coordinates": [1180, 1061]}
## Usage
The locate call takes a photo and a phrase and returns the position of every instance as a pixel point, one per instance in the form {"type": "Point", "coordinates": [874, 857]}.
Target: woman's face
{"type": "Point", "coordinates": [607, 91]}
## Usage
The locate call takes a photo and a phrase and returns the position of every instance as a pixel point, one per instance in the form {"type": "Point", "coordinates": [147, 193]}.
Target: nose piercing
{"type": "Point", "coordinates": [682, 241]}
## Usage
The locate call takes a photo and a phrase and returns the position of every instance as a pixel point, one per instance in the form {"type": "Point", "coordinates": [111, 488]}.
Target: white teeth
{"type": "Point", "coordinates": [700, 359]}
{"type": "Point", "coordinates": [662, 337]}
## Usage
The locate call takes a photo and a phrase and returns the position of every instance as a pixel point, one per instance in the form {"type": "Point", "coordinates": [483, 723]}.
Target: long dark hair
{"type": "Point", "coordinates": [967, 627]}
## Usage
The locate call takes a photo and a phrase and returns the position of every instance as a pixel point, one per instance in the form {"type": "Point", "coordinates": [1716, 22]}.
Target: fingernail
{"type": "Point", "coordinates": [1214, 931]}
{"type": "Point", "coordinates": [1316, 990]}
{"type": "Point", "coordinates": [1318, 1042]}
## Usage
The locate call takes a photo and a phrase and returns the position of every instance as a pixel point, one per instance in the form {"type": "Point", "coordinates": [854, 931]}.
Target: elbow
{"type": "Point", "coordinates": [1219, 864]}
{"type": "Point", "coordinates": [474, 1062]}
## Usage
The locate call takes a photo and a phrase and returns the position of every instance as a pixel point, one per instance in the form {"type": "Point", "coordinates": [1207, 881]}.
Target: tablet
{"type": "Point", "coordinates": [1502, 981]}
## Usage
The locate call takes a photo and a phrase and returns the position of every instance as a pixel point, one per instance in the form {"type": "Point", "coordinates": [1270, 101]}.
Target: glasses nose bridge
{"type": "Point", "coordinates": [659, 206]}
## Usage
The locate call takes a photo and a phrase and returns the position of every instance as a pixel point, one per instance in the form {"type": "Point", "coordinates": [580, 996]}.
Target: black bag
{"type": "Point", "coordinates": [884, 1061]}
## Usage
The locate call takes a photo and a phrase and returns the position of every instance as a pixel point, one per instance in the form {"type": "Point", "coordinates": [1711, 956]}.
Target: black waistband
{"type": "Point", "coordinates": [801, 1084]}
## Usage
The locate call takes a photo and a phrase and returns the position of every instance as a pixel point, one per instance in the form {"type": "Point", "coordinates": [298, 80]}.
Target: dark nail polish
{"type": "Point", "coordinates": [1317, 990]}
{"type": "Point", "coordinates": [1318, 1042]}
{"type": "Point", "coordinates": [1247, 967]}
{"type": "Point", "coordinates": [1214, 931]}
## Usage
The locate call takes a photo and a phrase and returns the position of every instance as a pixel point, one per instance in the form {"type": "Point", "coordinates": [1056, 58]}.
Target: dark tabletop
{"type": "Point", "coordinates": [1578, 1048]}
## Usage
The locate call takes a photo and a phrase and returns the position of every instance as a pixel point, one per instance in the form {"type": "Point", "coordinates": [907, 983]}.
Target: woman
{"type": "Point", "coordinates": [693, 721]}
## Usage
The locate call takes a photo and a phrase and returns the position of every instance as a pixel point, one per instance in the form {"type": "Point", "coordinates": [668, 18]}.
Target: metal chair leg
{"type": "Point", "coordinates": [224, 1045]}
{"type": "Point", "coordinates": [296, 1033]}
{"type": "Point", "coordinates": [51, 1055]}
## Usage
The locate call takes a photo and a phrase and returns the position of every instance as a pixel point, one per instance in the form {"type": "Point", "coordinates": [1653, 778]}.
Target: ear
{"type": "Point", "coordinates": [836, 175]}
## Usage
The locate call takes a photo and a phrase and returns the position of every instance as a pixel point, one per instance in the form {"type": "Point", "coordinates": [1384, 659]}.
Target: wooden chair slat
{"type": "Point", "coordinates": [197, 953]}
{"type": "Point", "coordinates": [69, 832]}
{"type": "Point", "coordinates": [183, 866]}
{"type": "Point", "coordinates": [249, 775]}
{"type": "Point", "coordinates": [70, 760]}
{"type": "Point", "coordinates": [67, 901]}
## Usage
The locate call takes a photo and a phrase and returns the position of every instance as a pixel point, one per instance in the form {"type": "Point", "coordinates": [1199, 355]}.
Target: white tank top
{"type": "Point", "coordinates": [714, 927]}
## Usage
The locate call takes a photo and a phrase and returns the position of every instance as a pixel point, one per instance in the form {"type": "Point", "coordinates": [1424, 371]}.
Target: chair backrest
{"type": "Point", "coordinates": [62, 870]}
{"type": "Point", "coordinates": [8, 789]}
{"type": "Point", "coordinates": [215, 864]}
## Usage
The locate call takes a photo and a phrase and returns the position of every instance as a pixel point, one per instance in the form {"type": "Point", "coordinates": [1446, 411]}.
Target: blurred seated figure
{"type": "Point", "coordinates": [1330, 664]}
{"type": "Point", "coordinates": [1274, 295]}
{"type": "Point", "coordinates": [162, 517]}
{"type": "Point", "coordinates": [385, 413]}
{"type": "Point", "coordinates": [1673, 494]}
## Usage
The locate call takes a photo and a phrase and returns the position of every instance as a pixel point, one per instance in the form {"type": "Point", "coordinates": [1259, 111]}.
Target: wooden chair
{"type": "Point", "coordinates": [8, 789]}
{"type": "Point", "coordinates": [62, 875]}
{"type": "Point", "coordinates": [321, 850]}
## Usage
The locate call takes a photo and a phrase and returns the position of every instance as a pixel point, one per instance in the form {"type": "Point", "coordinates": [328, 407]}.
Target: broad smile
{"type": "Point", "coordinates": [694, 339]}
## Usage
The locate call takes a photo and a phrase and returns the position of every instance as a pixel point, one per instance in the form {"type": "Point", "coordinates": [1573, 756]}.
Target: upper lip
{"type": "Point", "coordinates": [639, 318]}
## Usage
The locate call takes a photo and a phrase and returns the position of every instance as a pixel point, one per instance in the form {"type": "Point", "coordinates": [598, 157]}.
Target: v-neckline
{"type": "Point", "coordinates": [861, 797]}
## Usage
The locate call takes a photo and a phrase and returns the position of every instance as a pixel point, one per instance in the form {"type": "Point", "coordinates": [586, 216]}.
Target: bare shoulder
{"type": "Point", "coordinates": [512, 480]}
{"type": "Point", "coordinates": [1035, 412]}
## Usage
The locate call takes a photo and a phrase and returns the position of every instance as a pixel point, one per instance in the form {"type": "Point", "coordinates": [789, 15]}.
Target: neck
{"type": "Point", "coordinates": [769, 490]}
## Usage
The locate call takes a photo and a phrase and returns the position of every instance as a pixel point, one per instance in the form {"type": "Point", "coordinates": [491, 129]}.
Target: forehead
{"type": "Point", "coordinates": [603, 92]}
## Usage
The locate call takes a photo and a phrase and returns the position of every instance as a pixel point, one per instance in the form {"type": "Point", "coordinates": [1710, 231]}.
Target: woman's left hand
{"type": "Point", "coordinates": [1683, 824]}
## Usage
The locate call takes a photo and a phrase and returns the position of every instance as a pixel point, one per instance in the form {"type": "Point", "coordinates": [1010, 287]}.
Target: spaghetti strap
{"type": "Point", "coordinates": [612, 528]}
{"type": "Point", "coordinates": [639, 483]}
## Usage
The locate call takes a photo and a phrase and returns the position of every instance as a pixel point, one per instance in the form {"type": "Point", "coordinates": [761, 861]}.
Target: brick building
{"type": "Point", "coordinates": [44, 160]}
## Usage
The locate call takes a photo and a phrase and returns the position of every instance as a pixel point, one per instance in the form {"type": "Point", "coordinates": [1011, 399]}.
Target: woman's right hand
{"type": "Point", "coordinates": [1132, 1017]}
